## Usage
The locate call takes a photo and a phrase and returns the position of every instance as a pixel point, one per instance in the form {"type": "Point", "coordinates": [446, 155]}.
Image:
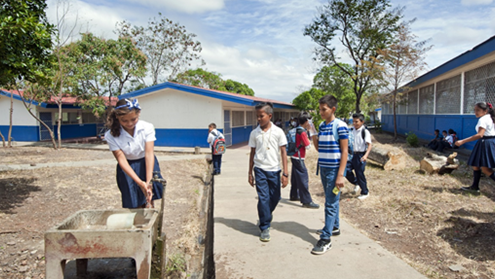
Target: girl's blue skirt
{"type": "Point", "coordinates": [132, 195]}
{"type": "Point", "coordinates": [483, 154]}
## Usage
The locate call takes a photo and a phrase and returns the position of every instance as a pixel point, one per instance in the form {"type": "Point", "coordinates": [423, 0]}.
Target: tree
{"type": "Point", "coordinates": [103, 68]}
{"type": "Point", "coordinates": [404, 59]}
{"type": "Point", "coordinates": [211, 80]}
{"type": "Point", "coordinates": [308, 101]}
{"type": "Point", "coordinates": [25, 43]}
{"type": "Point", "coordinates": [168, 46]}
{"type": "Point", "coordinates": [362, 27]}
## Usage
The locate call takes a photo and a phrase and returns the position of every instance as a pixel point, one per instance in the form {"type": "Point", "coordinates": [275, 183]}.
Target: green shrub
{"type": "Point", "coordinates": [412, 139]}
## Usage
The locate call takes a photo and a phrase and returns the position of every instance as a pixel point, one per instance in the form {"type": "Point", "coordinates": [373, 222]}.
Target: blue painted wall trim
{"type": "Point", "coordinates": [478, 51]}
{"type": "Point", "coordinates": [71, 131]}
{"type": "Point", "coordinates": [241, 134]}
{"type": "Point", "coordinates": [239, 99]}
{"type": "Point", "coordinates": [21, 133]}
{"type": "Point", "coordinates": [182, 137]}
{"type": "Point", "coordinates": [424, 125]}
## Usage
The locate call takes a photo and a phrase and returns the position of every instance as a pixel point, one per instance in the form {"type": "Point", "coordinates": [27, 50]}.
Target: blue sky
{"type": "Point", "coordinates": [261, 42]}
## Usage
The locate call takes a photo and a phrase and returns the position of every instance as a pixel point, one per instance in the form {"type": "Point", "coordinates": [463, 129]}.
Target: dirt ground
{"type": "Point", "coordinates": [424, 219]}
{"type": "Point", "coordinates": [32, 201]}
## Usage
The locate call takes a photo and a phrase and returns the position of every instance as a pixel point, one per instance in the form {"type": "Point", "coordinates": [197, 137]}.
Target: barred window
{"type": "Point", "coordinates": [88, 117]}
{"type": "Point", "coordinates": [449, 95]}
{"type": "Point", "coordinates": [401, 103]}
{"type": "Point", "coordinates": [479, 86]}
{"type": "Point", "coordinates": [385, 108]}
{"type": "Point", "coordinates": [249, 118]}
{"type": "Point", "coordinates": [426, 99]}
{"type": "Point", "coordinates": [237, 118]}
{"type": "Point", "coordinates": [412, 102]}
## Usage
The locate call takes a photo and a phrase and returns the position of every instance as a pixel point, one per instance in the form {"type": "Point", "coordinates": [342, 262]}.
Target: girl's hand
{"type": "Point", "coordinates": [459, 143]}
{"type": "Point", "coordinates": [147, 189]}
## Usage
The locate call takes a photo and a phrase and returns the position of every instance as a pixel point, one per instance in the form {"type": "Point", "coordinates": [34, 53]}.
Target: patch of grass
{"type": "Point", "coordinates": [176, 263]}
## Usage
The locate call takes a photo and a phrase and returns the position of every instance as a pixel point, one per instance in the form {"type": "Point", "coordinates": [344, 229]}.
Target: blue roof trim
{"type": "Point", "coordinates": [476, 52]}
{"type": "Point", "coordinates": [17, 97]}
{"type": "Point", "coordinates": [199, 91]}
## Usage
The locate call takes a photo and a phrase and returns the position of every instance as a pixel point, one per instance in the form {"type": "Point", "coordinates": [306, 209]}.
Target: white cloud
{"type": "Point", "coordinates": [476, 2]}
{"type": "Point", "coordinates": [187, 6]}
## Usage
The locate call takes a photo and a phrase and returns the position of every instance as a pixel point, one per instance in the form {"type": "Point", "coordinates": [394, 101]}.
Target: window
{"type": "Point", "coordinates": [448, 95]}
{"type": "Point", "coordinates": [237, 118]}
{"type": "Point", "coordinates": [479, 86]}
{"type": "Point", "coordinates": [426, 100]}
{"type": "Point", "coordinates": [250, 118]}
{"type": "Point", "coordinates": [68, 117]}
{"type": "Point", "coordinates": [412, 102]}
{"type": "Point", "coordinates": [88, 117]}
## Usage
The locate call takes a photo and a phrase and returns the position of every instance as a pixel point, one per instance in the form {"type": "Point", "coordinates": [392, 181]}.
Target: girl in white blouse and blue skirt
{"type": "Point", "coordinates": [132, 142]}
{"type": "Point", "coordinates": [483, 155]}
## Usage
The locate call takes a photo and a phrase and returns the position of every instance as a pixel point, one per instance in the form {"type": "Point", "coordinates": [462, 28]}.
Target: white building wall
{"type": "Point", "coordinates": [171, 109]}
{"type": "Point", "coordinates": [21, 116]}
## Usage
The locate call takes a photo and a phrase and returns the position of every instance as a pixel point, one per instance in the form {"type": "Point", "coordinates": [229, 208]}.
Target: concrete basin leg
{"type": "Point", "coordinates": [143, 264]}
{"type": "Point", "coordinates": [55, 268]}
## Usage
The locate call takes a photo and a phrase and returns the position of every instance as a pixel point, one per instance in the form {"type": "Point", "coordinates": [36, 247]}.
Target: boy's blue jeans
{"type": "Point", "coordinates": [268, 188]}
{"type": "Point", "coordinates": [328, 178]}
{"type": "Point", "coordinates": [217, 163]}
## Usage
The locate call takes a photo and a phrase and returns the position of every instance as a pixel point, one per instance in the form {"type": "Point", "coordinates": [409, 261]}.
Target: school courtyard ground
{"type": "Point", "coordinates": [412, 226]}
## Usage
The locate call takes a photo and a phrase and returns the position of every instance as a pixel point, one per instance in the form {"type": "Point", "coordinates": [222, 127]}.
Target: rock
{"type": "Point", "coordinates": [434, 163]}
{"type": "Point", "coordinates": [24, 262]}
{"type": "Point", "coordinates": [391, 158]}
{"type": "Point", "coordinates": [11, 243]}
{"type": "Point", "coordinates": [23, 269]}
{"type": "Point", "coordinates": [32, 164]}
{"type": "Point", "coordinates": [34, 252]}
{"type": "Point", "coordinates": [456, 268]}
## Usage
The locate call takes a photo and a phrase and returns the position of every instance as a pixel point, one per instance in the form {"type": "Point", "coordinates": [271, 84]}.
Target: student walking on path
{"type": "Point", "coordinates": [264, 160]}
{"type": "Point", "coordinates": [132, 143]}
{"type": "Point", "coordinates": [483, 155]}
{"type": "Point", "coordinates": [299, 178]}
{"type": "Point", "coordinates": [213, 134]}
{"type": "Point", "coordinates": [362, 148]}
{"type": "Point", "coordinates": [332, 160]}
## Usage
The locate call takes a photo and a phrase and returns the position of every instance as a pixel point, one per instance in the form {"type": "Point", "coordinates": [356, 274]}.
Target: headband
{"type": "Point", "coordinates": [130, 105]}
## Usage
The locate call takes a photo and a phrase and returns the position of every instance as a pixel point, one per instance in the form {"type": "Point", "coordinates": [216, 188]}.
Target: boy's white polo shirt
{"type": "Point", "coordinates": [133, 147]}
{"type": "Point", "coordinates": [359, 143]}
{"type": "Point", "coordinates": [267, 145]}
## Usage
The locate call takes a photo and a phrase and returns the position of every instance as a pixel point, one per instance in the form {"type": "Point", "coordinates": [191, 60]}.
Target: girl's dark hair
{"type": "Point", "coordinates": [487, 107]}
{"type": "Point", "coordinates": [303, 117]}
{"type": "Point", "coordinates": [451, 132]}
{"type": "Point", "coordinates": [438, 131]}
{"type": "Point", "coordinates": [113, 123]}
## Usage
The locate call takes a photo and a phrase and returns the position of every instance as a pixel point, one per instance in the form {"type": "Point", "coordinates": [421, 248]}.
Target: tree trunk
{"type": "Point", "coordinates": [59, 126]}
{"type": "Point", "coordinates": [9, 136]}
{"type": "Point", "coordinates": [395, 114]}
{"type": "Point", "coordinates": [434, 163]}
{"type": "Point", "coordinates": [52, 136]}
{"type": "Point", "coordinates": [391, 158]}
{"type": "Point", "coordinates": [3, 139]}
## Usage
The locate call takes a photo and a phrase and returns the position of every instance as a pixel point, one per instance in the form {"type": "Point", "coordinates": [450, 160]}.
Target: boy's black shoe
{"type": "Point", "coordinates": [322, 246]}
{"type": "Point", "coordinates": [470, 189]}
{"type": "Point", "coordinates": [311, 205]}
{"type": "Point", "coordinates": [335, 232]}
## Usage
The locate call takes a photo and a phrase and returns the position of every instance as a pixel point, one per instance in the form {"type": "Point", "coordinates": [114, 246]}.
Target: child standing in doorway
{"type": "Point", "coordinates": [132, 142]}
{"type": "Point", "coordinates": [266, 141]}
{"type": "Point", "coordinates": [332, 160]}
{"type": "Point", "coordinates": [483, 155]}
{"type": "Point", "coordinates": [362, 148]}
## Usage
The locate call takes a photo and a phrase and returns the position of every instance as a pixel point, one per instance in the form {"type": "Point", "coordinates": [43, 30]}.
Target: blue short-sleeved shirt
{"type": "Point", "coordinates": [328, 148]}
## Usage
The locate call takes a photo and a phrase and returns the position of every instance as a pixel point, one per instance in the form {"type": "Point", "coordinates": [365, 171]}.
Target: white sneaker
{"type": "Point", "coordinates": [362, 197]}
{"type": "Point", "coordinates": [356, 189]}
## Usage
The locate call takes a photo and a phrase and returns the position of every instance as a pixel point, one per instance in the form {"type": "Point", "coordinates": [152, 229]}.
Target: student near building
{"type": "Point", "coordinates": [214, 134]}
{"type": "Point", "coordinates": [362, 148]}
{"type": "Point", "coordinates": [132, 142]}
{"type": "Point", "coordinates": [483, 155]}
{"type": "Point", "coordinates": [332, 160]}
{"type": "Point", "coordinates": [299, 179]}
{"type": "Point", "coordinates": [264, 161]}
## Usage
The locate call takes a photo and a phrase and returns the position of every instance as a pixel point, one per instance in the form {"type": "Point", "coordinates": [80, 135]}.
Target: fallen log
{"type": "Point", "coordinates": [440, 164]}
{"type": "Point", "coordinates": [391, 158]}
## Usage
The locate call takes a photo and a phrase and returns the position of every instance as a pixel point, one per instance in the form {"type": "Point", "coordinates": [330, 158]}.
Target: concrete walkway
{"type": "Point", "coordinates": [239, 253]}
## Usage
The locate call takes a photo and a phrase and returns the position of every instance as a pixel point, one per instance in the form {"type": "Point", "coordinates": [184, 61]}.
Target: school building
{"type": "Point", "coordinates": [181, 113]}
{"type": "Point", "coordinates": [444, 97]}
{"type": "Point", "coordinates": [76, 122]}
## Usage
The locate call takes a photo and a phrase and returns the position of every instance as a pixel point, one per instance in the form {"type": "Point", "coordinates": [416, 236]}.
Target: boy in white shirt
{"type": "Point", "coordinates": [362, 148]}
{"type": "Point", "coordinates": [265, 142]}
{"type": "Point", "coordinates": [213, 134]}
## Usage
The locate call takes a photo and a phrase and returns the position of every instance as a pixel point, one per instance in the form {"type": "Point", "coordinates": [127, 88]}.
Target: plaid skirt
{"type": "Point", "coordinates": [132, 195]}
{"type": "Point", "coordinates": [483, 154]}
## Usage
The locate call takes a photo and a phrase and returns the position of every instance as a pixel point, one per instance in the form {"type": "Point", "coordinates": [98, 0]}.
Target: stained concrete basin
{"type": "Point", "coordinates": [85, 235]}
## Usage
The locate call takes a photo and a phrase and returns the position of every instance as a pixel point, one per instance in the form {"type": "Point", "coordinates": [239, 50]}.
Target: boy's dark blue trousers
{"type": "Point", "coordinates": [299, 182]}
{"type": "Point", "coordinates": [217, 163]}
{"type": "Point", "coordinates": [268, 188]}
{"type": "Point", "coordinates": [358, 167]}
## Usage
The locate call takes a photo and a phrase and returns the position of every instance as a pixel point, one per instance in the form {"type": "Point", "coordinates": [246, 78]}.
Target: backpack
{"type": "Point", "coordinates": [350, 148]}
{"type": "Point", "coordinates": [218, 146]}
{"type": "Point", "coordinates": [291, 141]}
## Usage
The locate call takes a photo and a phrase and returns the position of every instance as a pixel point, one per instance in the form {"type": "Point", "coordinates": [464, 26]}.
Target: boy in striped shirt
{"type": "Point", "coordinates": [332, 160]}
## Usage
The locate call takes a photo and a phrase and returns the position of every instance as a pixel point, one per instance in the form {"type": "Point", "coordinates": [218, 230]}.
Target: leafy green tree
{"type": "Point", "coordinates": [308, 101]}
{"type": "Point", "coordinates": [211, 80]}
{"type": "Point", "coordinates": [362, 27]}
{"type": "Point", "coordinates": [25, 44]}
{"type": "Point", "coordinates": [169, 47]}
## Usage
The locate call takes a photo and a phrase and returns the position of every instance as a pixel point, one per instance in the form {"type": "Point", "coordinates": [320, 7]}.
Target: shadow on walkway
{"type": "Point", "coordinates": [13, 192]}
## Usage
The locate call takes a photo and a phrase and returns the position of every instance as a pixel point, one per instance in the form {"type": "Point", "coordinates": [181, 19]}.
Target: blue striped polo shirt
{"type": "Point", "coordinates": [328, 148]}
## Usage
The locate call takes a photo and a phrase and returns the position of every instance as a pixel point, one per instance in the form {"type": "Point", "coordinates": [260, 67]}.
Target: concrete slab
{"type": "Point", "coordinates": [239, 253]}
